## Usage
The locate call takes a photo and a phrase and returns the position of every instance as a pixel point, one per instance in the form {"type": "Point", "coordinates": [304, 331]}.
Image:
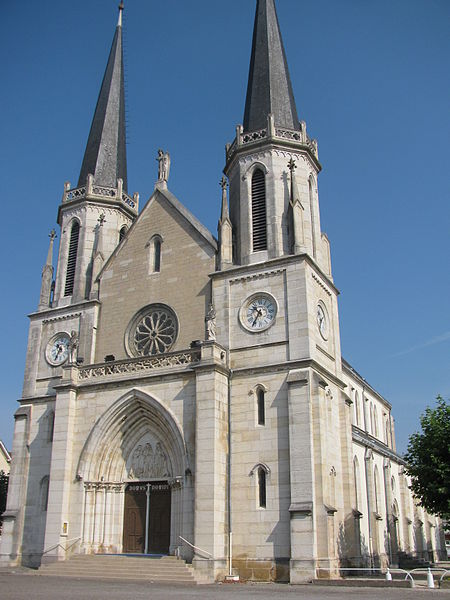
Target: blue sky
{"type": "Point", "coordinates": [371, 79]}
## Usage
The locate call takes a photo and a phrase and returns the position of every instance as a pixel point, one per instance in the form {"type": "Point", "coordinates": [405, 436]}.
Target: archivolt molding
{"type": "Point", "coordinates": [117, 432]}
{"type": "Point", "coordinates": [258, 386]}
{"type": "Point", "coordinates": [255, 165]}
{"type": "Point", "coordinates": [257, 466]}
{"type": "Point", "coordinates": [76, 213]}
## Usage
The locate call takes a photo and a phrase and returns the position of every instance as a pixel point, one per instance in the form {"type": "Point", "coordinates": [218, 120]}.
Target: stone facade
{"type": "Point", "coordinates": [188, 396]}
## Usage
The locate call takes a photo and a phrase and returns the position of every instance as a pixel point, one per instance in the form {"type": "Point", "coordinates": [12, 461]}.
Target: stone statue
{"type": "Point", "coordinates": [73, 346]}
{"type": "Point", "coordinates": [135, 462]}
{"type": "Point", "coordinates": [163, 165]}
{"type": "Point", "coordinates": [147, 463]}
{"type": "Point", "coordinates": [210, 321]}
{"type": "Point", "coordinates": [160, 466]}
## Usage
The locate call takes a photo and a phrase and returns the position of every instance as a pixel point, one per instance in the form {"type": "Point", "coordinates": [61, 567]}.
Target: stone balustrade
{"type": "Point", "coordinates": [143, 363]}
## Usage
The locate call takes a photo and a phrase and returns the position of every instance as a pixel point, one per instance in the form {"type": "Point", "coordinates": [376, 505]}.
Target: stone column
{"type": "Point", "coordinates": [13, 517]}
{"type": "Point", "coordinates": [303, 538]}
{"type": "Point", "coordinates": [61, 470]}
{"type": "Point", "coordinates": [211, 433]}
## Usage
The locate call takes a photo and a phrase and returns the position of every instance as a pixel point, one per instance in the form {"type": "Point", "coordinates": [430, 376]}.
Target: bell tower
{"type": "Point", "coordinates": [98, 211]}
{"type": "Point", "coordinates": [273, 164]}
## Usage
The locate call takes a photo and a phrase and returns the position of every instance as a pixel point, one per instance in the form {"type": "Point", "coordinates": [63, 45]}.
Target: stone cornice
{"type": "Point", "coordinates": [270, 143]}
{"type": "Point", "coordinates": [36, 399]}
{"type": "Point", "coordinates": [361, 437]}
{"type": "Point", "coordinates": [58, 313]}
{"type": "Point", "coordinates": [98, 201]}
{"type": "Point", "coordinates": [234, 272]}
{"type": "Point", "coordinates": [346, 366]}
{"type": "Point", "coordinates": [289, 365]}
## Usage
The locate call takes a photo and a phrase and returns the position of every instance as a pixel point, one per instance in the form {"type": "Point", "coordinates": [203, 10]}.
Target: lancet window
{"type": "Point", "coordinates": [259, 220]}
{"type": "Point", "coordinates": [72, 258]}
{"type": "Point", "coordinates": [261, 408]}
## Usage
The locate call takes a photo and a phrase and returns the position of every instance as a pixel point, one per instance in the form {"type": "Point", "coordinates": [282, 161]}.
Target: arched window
{"type": "Point", "coordinates": [376, 485]}
{"type": "Point", "coordinates": [259, 220]}
{"type": "Point", "coordinates": [375, 421]}
{"type": "Point", "coordinates": [157, 256]}
{"type": "Point", "coordinates": [72, 258]}
{"type": "Point", "coordinates": [50, 425]}
{"type": "Point", "coordinates": [260, 399]}
{"type": "Point", "coordinates": [357, 482]}
{"type": "Point", "coordinates": [43, 492]}
{"type": "Point", "coordinates": [122, 233]}
{"type": "Point", "coordinates": [262, 498]}
{"type": "Point", "coordinates": [356, 408]}
{"type": "Point", "coordinates": [154, 254]}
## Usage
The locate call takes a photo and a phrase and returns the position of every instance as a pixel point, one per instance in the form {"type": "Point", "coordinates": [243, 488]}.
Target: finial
{"type": "Point", "coordinates": [223, 183]}
{"type": "Point", "coordinates": [119, 22]}
{"type": "Point", "coordinates": [291, 165]}
{"type": "Point", "coordinates": [101, 219]}
{"type": "Point", "coordinates": [52, 235]}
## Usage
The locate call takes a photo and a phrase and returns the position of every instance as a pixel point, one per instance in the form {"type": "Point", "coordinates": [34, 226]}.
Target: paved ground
{"type": "Point", "coordinates": [23, 586]}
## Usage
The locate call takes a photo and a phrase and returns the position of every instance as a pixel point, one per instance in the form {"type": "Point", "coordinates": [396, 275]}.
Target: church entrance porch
{"type": "Point", "coordinates": [146, 523]}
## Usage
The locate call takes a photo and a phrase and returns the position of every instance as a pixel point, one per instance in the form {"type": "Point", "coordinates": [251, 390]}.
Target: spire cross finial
{"type": "Point", "coordinates": [52, 235]}
{"type": "Point", "coordinates": [101, 219]}
{"type": "Point", "coordinates": [121, 7]}
{"type": "Point", "coordinates": [291, 165]}
{"type": "Point", "coordinates": [223, 183]}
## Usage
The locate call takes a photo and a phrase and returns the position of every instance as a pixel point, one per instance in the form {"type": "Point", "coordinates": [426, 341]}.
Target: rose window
{"type": "Point", "coordinates": [153, 331]}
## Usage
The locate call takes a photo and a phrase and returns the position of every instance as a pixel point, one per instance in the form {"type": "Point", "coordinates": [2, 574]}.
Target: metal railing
{"type": "Point", "coordinates": [68, 546]}
{"type": "Point", "coordinates": [195, 548]}
{"type": "Point", "coordinates": [427, 571]}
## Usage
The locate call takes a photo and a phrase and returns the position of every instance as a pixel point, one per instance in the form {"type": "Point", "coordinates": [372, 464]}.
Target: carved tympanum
{"type": "Point", "coordinates": [149, 463]}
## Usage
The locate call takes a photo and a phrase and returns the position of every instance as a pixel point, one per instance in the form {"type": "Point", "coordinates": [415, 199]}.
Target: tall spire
{"type": "Point", "coordinates": [105, 156]}
{"type": "Point", "coordinates": [269, 88]}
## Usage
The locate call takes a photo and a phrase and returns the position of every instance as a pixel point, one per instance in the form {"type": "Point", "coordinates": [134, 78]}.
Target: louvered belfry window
{"type": "Point", "coordinates": [259, 224]}
{"type": "Point", "coordinates": [72, 260]}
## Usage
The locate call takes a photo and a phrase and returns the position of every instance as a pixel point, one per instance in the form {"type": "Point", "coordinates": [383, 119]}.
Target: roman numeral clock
{"type": "Point", "coordinates": [258, 312]}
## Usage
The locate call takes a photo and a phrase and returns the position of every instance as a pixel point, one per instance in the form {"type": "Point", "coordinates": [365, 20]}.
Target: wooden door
{"type": "Point", "coordinates": [159, 526]}
{"type": "Point", "coordinates": [134, 519]}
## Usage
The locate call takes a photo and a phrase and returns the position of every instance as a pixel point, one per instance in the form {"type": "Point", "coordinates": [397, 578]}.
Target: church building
{"type": "Point", "coordinates": [186, 395]}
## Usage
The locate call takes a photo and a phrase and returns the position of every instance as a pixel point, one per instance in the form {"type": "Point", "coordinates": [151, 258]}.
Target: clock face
{"type": "Point", "coordinates": [258, 312]}
{"type": "Point", "coordinates": [322, 321]}
{"type": "Point", "coordinates": [57, 350]}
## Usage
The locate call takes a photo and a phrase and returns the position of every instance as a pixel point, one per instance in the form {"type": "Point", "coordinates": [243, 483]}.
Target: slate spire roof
{"type": "Point", "coordinates": [105, 155]}
{"type": "Point", "coordinates": [269, 85]}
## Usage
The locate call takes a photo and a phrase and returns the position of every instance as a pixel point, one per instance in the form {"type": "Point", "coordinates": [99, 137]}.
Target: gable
{"type": "Point", "coordinates": [128, 281]}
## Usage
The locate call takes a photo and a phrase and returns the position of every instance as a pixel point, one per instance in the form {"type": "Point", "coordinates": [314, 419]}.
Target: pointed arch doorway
{"type": "Point", "coordinates": [136, 443]}
{"type": "Point", "coordinates": [146, 523]}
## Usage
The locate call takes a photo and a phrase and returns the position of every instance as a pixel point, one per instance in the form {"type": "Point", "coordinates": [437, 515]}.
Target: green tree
{"type": "Point", "coordinates": [428, 460]}
{"type": "Point", "coordinates": [4, 478]}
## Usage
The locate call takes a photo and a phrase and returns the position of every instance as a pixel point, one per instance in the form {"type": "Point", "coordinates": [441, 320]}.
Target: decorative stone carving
{"type": "Point", "coordinates": [73, 346]}
{"type": "Point", "coordinates": [176, 359]}
{"type": "Point", "coordinates": [163, 165]}
{"type": "Point", "coordinates": [210, 321]}
{"type": "Point", "coordinates": [147, 463]}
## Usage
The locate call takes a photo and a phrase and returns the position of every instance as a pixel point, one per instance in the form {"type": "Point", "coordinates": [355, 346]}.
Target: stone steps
{"type": "Point", "coordinates": [165, 569]}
